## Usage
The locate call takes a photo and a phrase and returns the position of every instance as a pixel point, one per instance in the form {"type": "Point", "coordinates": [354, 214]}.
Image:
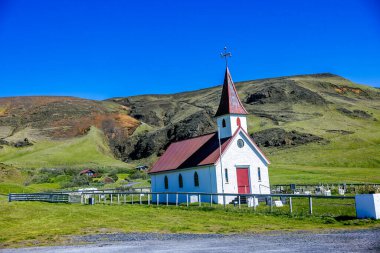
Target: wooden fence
{"type": "Point", "coordinates": [44, 197]}
{"type": "Point", "coordinates": [240, 200]}
{"type": "Point", "coordinates": [277, 203]}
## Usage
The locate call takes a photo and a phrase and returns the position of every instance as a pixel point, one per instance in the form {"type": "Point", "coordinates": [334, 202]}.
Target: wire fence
{"type": "Point", "coordinates": [295, 204]}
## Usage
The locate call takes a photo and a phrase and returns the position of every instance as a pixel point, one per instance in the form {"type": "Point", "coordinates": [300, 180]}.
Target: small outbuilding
{"type": "Point", "coordinates": [142, 168]}
{"type": "Point", "coordinates": [88, 172]}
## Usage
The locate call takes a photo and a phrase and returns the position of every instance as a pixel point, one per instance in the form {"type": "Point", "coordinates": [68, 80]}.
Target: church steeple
{"type": "Point", "coordinates": [231, 114]}
{"type": "Point", "coordinates": [229, 102]}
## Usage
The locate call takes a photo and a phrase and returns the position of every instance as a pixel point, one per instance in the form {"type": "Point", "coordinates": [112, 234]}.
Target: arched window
{"type": "Point", "coordinates": [259, 173]}
{"type": "Point", "coordinates": [196, 179]}
{"type": "Point", "coordinates": [238, 122]}
{"type": "Point", "coordinates": [180, 181]}
{"type": "Point", "coordinates": [223, 123]}
{"type": "Point", "coordinates": [166, 181]}
{"type": "Point", "coordinates": [226, 174]}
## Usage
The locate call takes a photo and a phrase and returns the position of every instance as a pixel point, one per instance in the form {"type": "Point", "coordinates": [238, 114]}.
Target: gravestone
{"type": "Point", "coordinates": [252, 202]}
{"type": "Point", "coordinates": [193, 198]}
{"type": "Point", "coordinates": [278, 203]}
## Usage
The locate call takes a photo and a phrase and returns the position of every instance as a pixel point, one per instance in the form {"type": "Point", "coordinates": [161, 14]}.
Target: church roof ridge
{"type": "Point", "coordinates": [229, 101]}
{"type": "Point", "coordinates": [194, 137]}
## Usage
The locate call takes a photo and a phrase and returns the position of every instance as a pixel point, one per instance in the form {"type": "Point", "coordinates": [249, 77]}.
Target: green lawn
{"type": "Point", "coordinates": [31, 223]}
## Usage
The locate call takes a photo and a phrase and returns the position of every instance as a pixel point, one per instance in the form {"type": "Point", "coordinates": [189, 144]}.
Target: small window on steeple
{"type": "Point", "coordinates": [223, 123]}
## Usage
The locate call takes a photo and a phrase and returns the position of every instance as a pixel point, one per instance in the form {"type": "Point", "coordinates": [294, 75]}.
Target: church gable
{"type": "Point", "coordinates": [242, 139]}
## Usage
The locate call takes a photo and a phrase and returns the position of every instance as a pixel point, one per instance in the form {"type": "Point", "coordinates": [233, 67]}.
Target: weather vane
{"type": "Point", "coordinates": [225, 55]}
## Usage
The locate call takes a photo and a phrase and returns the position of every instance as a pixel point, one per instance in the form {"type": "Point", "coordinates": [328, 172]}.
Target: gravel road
{"type": "Point", "coordinates": [343, 241]}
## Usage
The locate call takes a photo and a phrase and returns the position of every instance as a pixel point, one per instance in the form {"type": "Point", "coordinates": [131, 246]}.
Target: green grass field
{"type": "Point", "coordinates": [32, 223]}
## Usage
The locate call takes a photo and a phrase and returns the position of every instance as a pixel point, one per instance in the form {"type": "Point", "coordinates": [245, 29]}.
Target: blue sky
{"type": "Point", "coordinates": [102, 49]}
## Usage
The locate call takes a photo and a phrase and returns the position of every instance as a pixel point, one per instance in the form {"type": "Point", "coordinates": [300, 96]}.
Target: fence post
{"type": "Point", "coordinates": [111, 199]}
{"type": "Point", "coordinates": [148, 199]}
{"type": "Point", "coordinates": [187, 199]}
{"type": "Point", "coordinates": [140, 198]}
{"type": "Point", "coordinates": [99, 198]}
{"type": "Point", "coordinates": [176, 199]}
{"type": "Point", "coordinates": [125, 198]}
{"type": "Point", "coordinates": [239, 201]}
{"type": "Point", "coordinates": [167, 199]}
{"type": "Point", "coordinates": [254, 203]}
{"type": "Point", "coordinates": [118, 199]}
{"type": "Point", "coordinates": [210, 199]}
{"type": "Point", "coordinates": [200, 200]}
{"type": "Point", "coordinates": [158, 198]}
{"type": "Point", "coordinates": [291, 205]}
{"type": "Point", "coordinates": [271, 206]}
{"type": "Point", "coordinates": [310, 205]}
{"type": "Point", "coordinates": [93, 195]}
{"type": "Point", "coordinates": [9, 197]}
{"type": "Point", "coordinates": [132, 197]}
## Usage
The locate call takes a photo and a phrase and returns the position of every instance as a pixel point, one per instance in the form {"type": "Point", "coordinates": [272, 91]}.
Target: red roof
{"type": "Point", "coordinates": [197, 151]}
{"type": "Point", "coordinates": [229, 102]}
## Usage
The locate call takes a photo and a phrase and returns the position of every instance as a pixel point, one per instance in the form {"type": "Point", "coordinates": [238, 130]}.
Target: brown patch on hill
{"type": "Point", "coordinates": [345, 89]}
{"type": "Point", "coordinates": [65, 117]}
{"type": "Point", "coordinates": [9, 173]}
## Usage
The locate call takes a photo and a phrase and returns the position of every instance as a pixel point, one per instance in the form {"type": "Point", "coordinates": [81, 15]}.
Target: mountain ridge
{"type": "Point", "coordinates": [308, 109]}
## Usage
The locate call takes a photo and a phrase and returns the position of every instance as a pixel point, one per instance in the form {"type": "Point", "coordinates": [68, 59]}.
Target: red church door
{"type": "Point", "coordinates": [243, 180]}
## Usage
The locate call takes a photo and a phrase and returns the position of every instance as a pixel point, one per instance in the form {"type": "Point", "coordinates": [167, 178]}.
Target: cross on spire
{"type": "Point", "coordinates": [225, 55]}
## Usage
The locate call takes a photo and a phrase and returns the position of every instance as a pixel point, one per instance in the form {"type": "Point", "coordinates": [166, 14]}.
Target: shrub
{"type": "Point", "coordinates": [76, 181]}
{"type": "Point", "coordinates": [368, 189]}
{"type": "Point", "coordinates": [40, 178]}
{"type": "Point", "coordinates": [138, 175]}
{"type": "Point", "coordinates": [113, 174]}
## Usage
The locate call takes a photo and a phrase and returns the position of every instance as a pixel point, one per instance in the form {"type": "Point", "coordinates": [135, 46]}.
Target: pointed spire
{"type": "Point", "coordinates": [229, 102]}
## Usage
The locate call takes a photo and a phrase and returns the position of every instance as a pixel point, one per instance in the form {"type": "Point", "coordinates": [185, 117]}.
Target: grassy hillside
{"type": "Point", "coordinates": [73, 132]}
{"type": "Point", "coordinates": [346, 115]}
{"type": "Point", "coordinates": [352, 153]}
{"type": "Point", "coordinates": [90, 150]}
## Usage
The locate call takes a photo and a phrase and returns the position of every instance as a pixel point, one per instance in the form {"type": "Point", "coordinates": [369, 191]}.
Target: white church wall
{"type": "Point", "coordinates": [207, 183]}
{"type": "Point", "coordinates": [245, 157]}
{"type": "Point", "coordinates": [231, 124]}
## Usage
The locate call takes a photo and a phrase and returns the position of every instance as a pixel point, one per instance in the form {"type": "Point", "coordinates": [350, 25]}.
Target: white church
{"type": "Point", "coordinates": [226, 161]}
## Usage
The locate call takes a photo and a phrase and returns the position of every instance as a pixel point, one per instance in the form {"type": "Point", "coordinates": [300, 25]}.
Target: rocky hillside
{"type": "Point", "coordinates": [277, 106]}
{"type": "Point", "coordinates": [286, 113]}
{"type": "Point", "coordinates": [41, 118]}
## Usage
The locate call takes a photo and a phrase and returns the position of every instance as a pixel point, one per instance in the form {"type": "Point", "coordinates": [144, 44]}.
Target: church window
{"type": "Point", "coordinates": [180, 181]}
{"type": "Point", "coordinates": [240, 143]}
{"type": "Point", "coordinates": [238, 122]}
{"type": "Point", "coordinates": [223, 123]}
{"type": "Point", "coordinates": [166, 181]}
{"type": "Point", "coordinates": [226, 175]}
{"type": "Point", "coordinates": [196, 179]}
{"type": "Point", "coordinates": [259, 173]}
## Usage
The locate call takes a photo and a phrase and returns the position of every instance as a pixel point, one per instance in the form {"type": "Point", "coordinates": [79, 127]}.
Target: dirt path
{"type": "Point", "coordinates": [344, 241]}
